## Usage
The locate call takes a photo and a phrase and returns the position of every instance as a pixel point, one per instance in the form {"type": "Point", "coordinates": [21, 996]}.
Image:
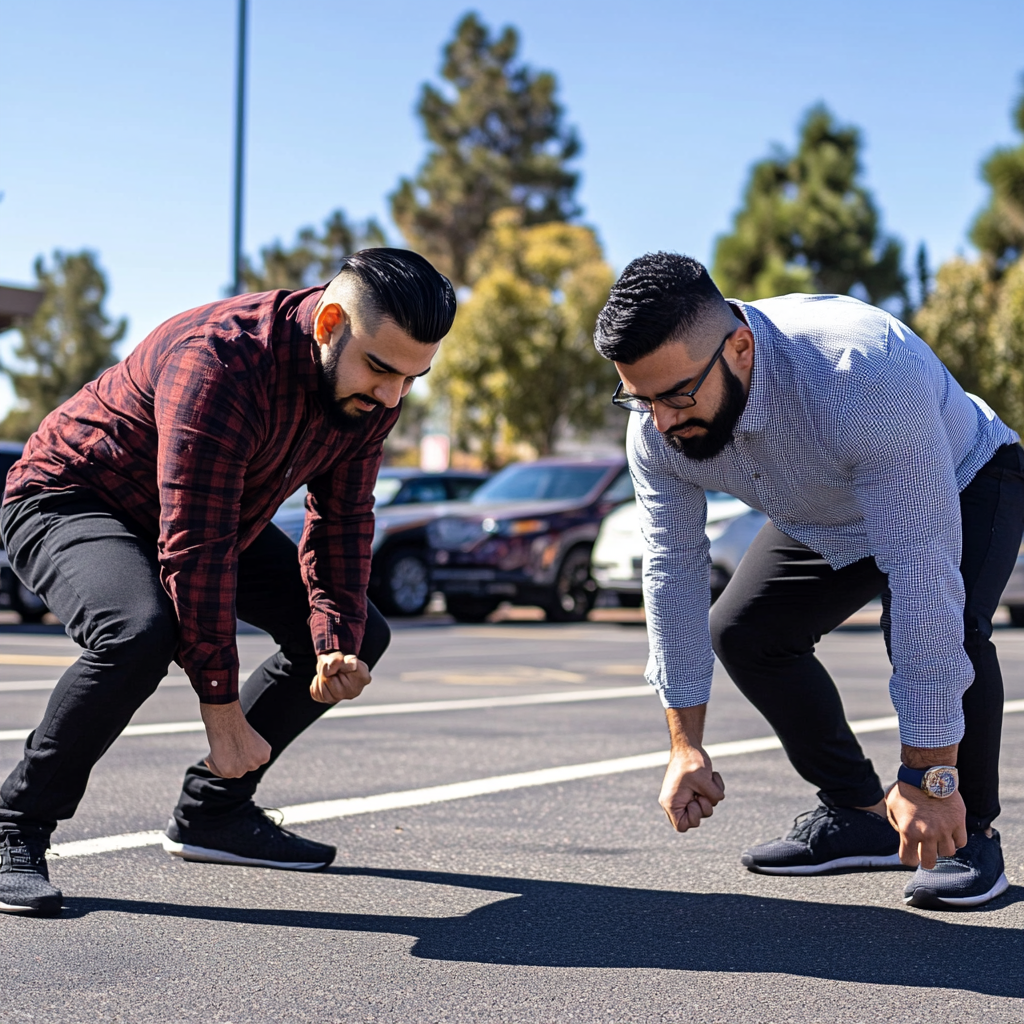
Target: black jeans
{"type": "Point", "coordinates": [784, 597]}
{"type": "Point", "coordinates": [98, 573]}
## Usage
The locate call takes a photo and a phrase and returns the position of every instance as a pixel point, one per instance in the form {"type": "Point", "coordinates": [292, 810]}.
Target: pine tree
{"type": "Point", "coordinates": [808, 224]}
{"type": "Point", "coordinates": [998, 231]}
{"type": "Point", "coordinates": [497, 140]}
{"type": "Point", "coordinates": [67, 343]}
{"type": "Point", "coordinates": [314, 258]}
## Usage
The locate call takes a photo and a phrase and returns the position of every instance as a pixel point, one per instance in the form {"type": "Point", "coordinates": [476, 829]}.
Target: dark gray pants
{"type": "Point", "coordinates": [784, 597]}
{"type": "Point", "coordinates": [98, 573]}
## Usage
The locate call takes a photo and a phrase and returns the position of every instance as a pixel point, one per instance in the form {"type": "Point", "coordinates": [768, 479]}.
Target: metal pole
{"type": "Point", "coordinates": [236, 253]}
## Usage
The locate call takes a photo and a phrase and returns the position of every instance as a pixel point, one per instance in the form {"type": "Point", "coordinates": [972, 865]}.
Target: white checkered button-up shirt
{"type": "Point", "coordinates": [855, 441]}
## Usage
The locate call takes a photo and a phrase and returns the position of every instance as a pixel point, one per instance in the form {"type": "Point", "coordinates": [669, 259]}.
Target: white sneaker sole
{"type": "Point", "coordinates": [839, 864]}
{"type": "Point", "coordinates": [203, 855]}
{"type": "Point", "coordinates": [10, 908]}
{"type": "Point", "coordinates": [1002, 884]}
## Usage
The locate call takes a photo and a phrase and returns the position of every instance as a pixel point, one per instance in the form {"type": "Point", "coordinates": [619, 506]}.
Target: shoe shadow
{"type": "Point", "coordinates": [563, 924]}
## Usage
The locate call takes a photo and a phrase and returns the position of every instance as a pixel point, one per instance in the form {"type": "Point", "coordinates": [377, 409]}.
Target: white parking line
{"type": "Point", "coordinates": [323, 810]}
{"type": "Point", "coordinates": [411, 708]}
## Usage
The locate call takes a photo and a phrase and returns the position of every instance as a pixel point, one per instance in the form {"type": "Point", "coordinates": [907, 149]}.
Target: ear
{"type": "Point", "coordinates": [742, 345]}
{"type": "Point", "coordinates": [329, 319]}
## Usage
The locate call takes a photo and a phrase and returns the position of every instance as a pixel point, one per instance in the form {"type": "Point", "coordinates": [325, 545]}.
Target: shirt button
{"type": "Point", "coordinates": [757, 476]}
{"type": "Point", "coordinates": [215, 683]}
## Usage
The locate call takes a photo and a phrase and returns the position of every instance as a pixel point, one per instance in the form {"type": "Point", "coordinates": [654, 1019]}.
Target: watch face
{"type": "Point", "coordinates": [940, 782]}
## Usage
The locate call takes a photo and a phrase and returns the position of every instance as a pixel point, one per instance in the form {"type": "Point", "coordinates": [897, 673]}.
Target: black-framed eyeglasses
{"type": "Point", "coordinates": [672, 399]}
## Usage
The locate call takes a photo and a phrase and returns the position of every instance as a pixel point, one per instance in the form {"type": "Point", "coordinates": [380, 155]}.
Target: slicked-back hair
{"type": "Point", "coordinates": [404, 287]}
{"type": "Point", "coordinates": [659, 296]}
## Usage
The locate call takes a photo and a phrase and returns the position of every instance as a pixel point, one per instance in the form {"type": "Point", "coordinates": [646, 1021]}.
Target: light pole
{"type": "Point", "coordinates": [236, 248]}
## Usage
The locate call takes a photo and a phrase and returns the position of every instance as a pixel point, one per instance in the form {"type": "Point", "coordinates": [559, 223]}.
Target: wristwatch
{"type": "Point", "coordinates": [940, 782]}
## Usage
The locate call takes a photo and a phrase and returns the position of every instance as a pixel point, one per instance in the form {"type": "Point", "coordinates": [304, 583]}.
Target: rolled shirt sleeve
{"type": "Point", "coordinates": [676, 581]}
{"type": "Point", "coordinates": [905, 482]}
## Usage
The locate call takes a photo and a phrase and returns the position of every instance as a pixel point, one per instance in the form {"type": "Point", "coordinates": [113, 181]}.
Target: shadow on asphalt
{"type": "Point", "coordinates": [563, 924]}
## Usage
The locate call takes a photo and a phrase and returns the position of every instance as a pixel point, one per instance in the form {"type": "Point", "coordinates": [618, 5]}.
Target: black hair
{"type": "Point", "coordinates": [659, 296]}
{"type": "Point", "coordinates": [404, 287]}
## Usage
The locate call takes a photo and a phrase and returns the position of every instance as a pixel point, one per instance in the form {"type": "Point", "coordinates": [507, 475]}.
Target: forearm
{"type": "Point", "coordinates": [928, 757]}
{"type": "Point", "coordinates": [686, 727]}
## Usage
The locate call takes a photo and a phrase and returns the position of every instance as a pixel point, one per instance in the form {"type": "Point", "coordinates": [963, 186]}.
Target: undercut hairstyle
{"type": "Point", "coordinates": [660, 296]}
{"type": "Point", "coordinates": [404, 287]}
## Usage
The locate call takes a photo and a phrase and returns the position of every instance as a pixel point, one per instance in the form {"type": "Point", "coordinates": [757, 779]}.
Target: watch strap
{"type": "Point", "coordinates": [911, 776]}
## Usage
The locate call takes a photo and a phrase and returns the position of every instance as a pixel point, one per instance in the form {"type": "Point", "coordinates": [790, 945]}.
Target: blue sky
{"type": "Point", "coordinates": [116, 118]}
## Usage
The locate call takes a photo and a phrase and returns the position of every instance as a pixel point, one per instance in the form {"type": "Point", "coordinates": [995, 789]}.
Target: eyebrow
{"type": "Point", "coordinates": [678, 386]}
{"type": "Point", "coordinates": [390, 369]}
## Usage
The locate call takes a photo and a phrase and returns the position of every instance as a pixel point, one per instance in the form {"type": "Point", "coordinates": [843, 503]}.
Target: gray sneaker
{"type": "Point", "coordinates": [972, 876]}
{"type": "Point", "coordinates": [829, 838]}
{"type": "Point", "coordinates": [24, 877]}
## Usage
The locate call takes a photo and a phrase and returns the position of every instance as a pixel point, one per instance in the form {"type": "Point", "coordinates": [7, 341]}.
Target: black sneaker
{"type": "Point", "coordinates": [829, 838]}
{"type": "Point", "coordinates": [24, 877]}
{"type": "Point", "coordinates": [254, 839]}
{"type": "Point", "coordinates": [972, 876]}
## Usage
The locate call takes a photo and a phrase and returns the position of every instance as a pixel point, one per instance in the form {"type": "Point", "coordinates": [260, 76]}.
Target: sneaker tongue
{"type": "Point", "coordinates": [22, 858]}
{"type": "Point", "coordinates": [805, 824]}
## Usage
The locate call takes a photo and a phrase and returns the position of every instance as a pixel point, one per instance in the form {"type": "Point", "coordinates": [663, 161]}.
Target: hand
{"type": "Point", "coordinates": [928, 827]}
{"type": "Point", "coordinates": [690, 789]}
{"type": "Point", "coordinates": [236, 748]}
{"type": "Point", "coordinates": [338, 677]}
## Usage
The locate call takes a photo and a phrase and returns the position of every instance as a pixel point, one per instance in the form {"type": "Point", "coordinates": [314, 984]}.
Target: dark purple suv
{"type": "Point", "coordinates": [525, 537]}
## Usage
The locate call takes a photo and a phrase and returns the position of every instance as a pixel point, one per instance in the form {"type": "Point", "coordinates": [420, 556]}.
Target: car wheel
{"type": "Point", "coordinates": [1016, 615]}
{"type": "Point", "coordinates": [27, 605]}
{"type": "Point", "coordinates": [627, 599]}
{"type": "Point", "coordinates": [575, 589]}
{"type": "Point", "coordinates": [405, 588]}
{"type": "Point", "coordinates": [465, 608]}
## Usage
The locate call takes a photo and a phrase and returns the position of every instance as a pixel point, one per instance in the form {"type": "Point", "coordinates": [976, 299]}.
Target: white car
{"type": "Point", "coordinates": [617, 559]}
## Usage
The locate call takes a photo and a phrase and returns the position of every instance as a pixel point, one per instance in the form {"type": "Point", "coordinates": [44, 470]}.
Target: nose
{"type": "Point", "coordinates": [389, 393]}
{"type": "Point", "coordinates": [666, 418]}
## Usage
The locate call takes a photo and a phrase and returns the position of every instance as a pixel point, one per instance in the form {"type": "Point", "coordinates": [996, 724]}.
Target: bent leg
{"type": "Point", "coordinates": [992, 509]}
{"type": "Point", "coordinates": [764, 629]}
{"type": "Point", "coordinates": [100, 577]}
{"type": "Point", "coordinates": [275, 698]}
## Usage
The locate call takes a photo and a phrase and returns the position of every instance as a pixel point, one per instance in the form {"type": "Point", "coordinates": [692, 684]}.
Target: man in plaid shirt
{"type": "Point", "coordinates": [140, 513]}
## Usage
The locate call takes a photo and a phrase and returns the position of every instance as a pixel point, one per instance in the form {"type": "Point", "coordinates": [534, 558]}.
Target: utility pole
{"type": "Point", "coordinates": [236, 249]}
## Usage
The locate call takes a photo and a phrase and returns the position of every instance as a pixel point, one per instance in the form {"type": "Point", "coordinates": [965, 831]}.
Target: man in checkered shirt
{"type": "Point", "coordinates": [140, 512]}
{"type": "Point", "coordinates": [879, 476]}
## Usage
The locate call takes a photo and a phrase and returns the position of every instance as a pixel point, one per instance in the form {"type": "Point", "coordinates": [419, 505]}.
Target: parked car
{"type": "Point", "coordinates": [525, 536]}
{"type": "Point", "coordinates": [617, 562]}
{"type": "Point", "coordinates": [14, 595]}
{"type": "Point", "coordinates": [405, 501]}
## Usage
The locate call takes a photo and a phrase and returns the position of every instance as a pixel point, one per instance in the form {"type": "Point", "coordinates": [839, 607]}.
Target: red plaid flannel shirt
{"type": "Point", "coordinates": [198, 436]}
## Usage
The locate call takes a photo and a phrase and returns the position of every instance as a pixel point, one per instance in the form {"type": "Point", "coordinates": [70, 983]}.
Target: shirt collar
{"type": "Point", "coordinates": [302, 336]}
{"type": "Point", "coordinates": [757, 411]}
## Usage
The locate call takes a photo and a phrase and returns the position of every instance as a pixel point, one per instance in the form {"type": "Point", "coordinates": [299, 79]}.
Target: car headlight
{"type": "Point", "coordinates": [515, 527]}
{"type": "Point", "coordinates": [450, 532]}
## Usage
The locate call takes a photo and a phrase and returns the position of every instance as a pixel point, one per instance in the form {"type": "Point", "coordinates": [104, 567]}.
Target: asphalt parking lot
{"type": "Point", "coordinates": [502, 858]}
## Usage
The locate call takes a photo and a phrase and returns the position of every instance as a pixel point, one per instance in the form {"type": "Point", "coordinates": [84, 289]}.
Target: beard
{"type": "Point", "coordinates": [718, 432]}
{"type": "Point", "coordinates": [339, 411]}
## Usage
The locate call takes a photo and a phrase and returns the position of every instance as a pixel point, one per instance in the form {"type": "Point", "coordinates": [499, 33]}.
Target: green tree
{"type": "Point", "coordinates": [520, 363]}
{"type": "Point", "coordinates": [998, 231]}
{"type": "Point", "coordinates": [497, 140]}
{"type": "Point", "coordinates": [808, 224]}
{"type": "Point", "coordinates": [314, 258]}
{"type": "Point", "coordinates": [67, 343]}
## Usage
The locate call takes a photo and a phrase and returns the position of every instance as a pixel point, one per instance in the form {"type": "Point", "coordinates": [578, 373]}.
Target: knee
{"type": "Point", "coordinates": [377, 636]}
{"type": "Point", "coordinates": [148, 635]}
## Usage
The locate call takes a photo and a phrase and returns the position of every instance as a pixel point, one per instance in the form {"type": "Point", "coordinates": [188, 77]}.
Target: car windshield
{"type": "Point", "coordinates": [525, 482]}
{"type": "Point", "coordinates": [385, 489]}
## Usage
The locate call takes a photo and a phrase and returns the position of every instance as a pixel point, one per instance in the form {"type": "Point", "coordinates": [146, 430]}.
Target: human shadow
{"type": "Point", "coordinates": [567, 924]}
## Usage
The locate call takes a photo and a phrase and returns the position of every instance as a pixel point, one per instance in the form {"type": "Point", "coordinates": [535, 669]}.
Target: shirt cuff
{"type": "Point", "coordinates": [331, 634]}
{"type": "Point", "coordinates": [217, 686]}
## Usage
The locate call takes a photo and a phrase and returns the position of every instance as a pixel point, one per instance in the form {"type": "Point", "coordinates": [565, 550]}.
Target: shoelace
{"type": "Point", "coordinates": [24, 857]}
{"type": "Point", "coordinates": [803, 823]}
